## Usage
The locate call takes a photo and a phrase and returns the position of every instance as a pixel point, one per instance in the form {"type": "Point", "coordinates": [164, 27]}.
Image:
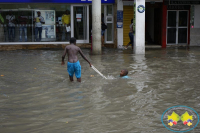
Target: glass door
{"type": "Point", "coordinates": [108, 11]}
{"type": "Point", "coordinates": [80, 23]}
{"type": "Point", "coordinates": [177, 27]}
{"type": "Point", "coordinates": [182, 26]}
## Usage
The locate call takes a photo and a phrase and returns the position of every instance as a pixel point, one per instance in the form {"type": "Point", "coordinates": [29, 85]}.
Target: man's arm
{"type": "Point", "coordinates": [81, 53]}
{"type": "Point", "coordinates": [42, 20]}
{"type": "Point", "coordinates": [63, 57]}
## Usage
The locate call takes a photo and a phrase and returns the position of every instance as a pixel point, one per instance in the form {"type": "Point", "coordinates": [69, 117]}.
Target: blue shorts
{"type": "Point", "coordinates": [74, 68]}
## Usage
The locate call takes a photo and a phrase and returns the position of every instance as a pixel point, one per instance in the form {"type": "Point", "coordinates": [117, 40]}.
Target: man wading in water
{"type": "Point", "coordinates": [73, 64]}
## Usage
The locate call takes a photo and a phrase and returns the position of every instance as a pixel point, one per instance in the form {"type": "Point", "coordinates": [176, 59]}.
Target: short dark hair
{"type": "Point", "coordinates": [67, 11]}
{"type": "Point", "coordinates": [73, 40]}
{"type": "Point", "coordinates": [125, 71]}
{"type": "Point", "coordinates": [131, 20]}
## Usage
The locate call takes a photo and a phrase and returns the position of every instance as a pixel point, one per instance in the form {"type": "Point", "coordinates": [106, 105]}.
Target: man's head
{"type": "Point", "coordinates": [73, 40]}
{"type": "Point", "coordinates": [131, 21]}
{"type": "Point", "coordinates": [67, 12]}
{"type": "Point", "coordinates": [38, 13]}
{"type": "Point", "coordinates": [10, 12]}
{"type": "Point", "coordinates": [123, 72]}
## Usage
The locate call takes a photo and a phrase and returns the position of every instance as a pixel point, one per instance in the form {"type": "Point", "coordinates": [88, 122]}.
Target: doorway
{"type": "Point", "coordinates": [80, 23]}
{"type": "Point", "coordinates": [177, 27]}
{"type": "Point", "coordinates": [153, 21]}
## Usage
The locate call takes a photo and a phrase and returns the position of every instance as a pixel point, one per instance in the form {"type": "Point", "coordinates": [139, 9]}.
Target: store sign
{"type": "Point", "coordinates": [140, 8]}
{"type": "Point", "coordinates": [119, 19]}
{"type": "Point", "coordinates": [54, 1]}
{"type": "Point", "coordinates": [178, 7]}
{"type": "Point", "coordinates": [182, 2]}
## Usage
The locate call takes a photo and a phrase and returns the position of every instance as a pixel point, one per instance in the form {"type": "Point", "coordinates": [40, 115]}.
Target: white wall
{"type": "Point", "coordinates": [197, 16]}
{"type": "Point", "coordinates": [195, 32]}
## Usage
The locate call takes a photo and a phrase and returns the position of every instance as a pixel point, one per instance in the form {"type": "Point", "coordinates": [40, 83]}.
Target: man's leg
{"type": "Point", "coordinates": [71, 78]}
{"type": "Point", "coordinates": [78, 71]}
{"type": "Point", "coordinates": [20, 34]}
{"type": "Point", "coordinates": [36, 33]}
{"type": "Point", "coordinates": [13, 34]}
{"type": "Point", "coordinates": [9, 33]}
{"type": "Point", "coordinates": [25, 33]}
{"type": "Point", "coordinates": [70, 70]}
{"type": "Point", "coordinates": [68, 36]}
{"type": "Point", "coordinates": [79, 79]}
{"type": "Point", "coordinates": [102, 38]}
{"type": "Point", "coordinates": [127, 45]}
{"type": "Point", "coordinates": [40, 33]}
{"type": "Point", "coordinates": [63, 33]}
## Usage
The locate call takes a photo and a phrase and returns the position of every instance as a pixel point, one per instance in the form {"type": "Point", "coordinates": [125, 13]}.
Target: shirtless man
{"type": "Point", "coordinates": [73, 65]}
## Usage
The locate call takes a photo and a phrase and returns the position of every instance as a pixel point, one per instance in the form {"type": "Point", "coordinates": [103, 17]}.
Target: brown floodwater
{"type": "Point", "coordinates": [36, 95]}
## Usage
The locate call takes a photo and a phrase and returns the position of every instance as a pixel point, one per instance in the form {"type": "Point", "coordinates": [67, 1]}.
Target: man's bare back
{"type": "Point", "coordinates": [72, 52]}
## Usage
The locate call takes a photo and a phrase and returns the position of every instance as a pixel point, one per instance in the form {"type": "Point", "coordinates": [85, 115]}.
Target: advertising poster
{"type": "Point", "coordinates": [119, 19]}
{"type": "Point", "coordinates": [48, 29]}
{"type": "Point", "coordinates": [48, 15]}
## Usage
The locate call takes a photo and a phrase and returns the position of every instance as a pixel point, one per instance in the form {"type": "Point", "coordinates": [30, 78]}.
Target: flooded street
{"type": "Point", "coordinates": [36, 95]}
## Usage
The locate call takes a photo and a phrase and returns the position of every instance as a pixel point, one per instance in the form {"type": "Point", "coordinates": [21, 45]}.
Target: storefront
{"type": "Point", "coordinates": [153, 21]}
{"type": "Point", "coordinates": [181, 22]}
{"type": "Point", "coordinates": [19, 18]}
{"type": "Point", "coordinates": [167, 22]}
{"type": "Point", "coordinates": [177, 27]}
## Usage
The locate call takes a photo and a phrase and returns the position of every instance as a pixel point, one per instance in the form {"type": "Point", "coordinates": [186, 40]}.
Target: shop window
{"type": "Point", "coordinates": [19, 22]}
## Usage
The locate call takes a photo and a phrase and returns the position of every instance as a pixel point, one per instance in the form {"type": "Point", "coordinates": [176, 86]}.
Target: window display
{"type": "Point", "coordinates": [47, 28]}
{"type": "Point", "coordinates": [32, 22]}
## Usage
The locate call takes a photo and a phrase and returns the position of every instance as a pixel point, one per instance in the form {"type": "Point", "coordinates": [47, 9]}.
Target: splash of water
{"type": "Point", "coordinates": [98, 72]}
{"type": "Point", "coordinates": [110, 77]}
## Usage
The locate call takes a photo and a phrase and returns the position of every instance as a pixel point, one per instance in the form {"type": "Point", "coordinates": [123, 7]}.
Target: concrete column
{"type": "Point", "coordinates": [139, 45]}
{"type": "Point", "coordinates": [96, 26]}
{"type": "Point", "coordinates": [120, 30]}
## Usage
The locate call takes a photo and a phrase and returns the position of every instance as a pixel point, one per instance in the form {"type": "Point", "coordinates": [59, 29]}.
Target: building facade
{"type": "Point", "coordinates": [167, 22]}
{"type": "Point", "coordinates": [19, 21]}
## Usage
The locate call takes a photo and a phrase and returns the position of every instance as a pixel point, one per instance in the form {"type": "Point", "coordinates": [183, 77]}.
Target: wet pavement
{"type": "Point", "coordinates": [36, 95]}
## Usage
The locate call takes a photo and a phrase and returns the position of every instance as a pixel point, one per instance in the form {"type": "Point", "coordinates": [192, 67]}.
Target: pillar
{"type": "Point", "coordinates": [96, 26]}
{"type": "Point", "coordinates": [139, 45]}
{"type": "Point", "coordinates": [120, 36]}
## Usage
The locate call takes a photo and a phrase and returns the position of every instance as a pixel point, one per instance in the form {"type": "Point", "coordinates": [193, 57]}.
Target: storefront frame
{"type": "Point", "coordinates": [177, 27]}
{"type": "Point", "coordinates": [72, 22]}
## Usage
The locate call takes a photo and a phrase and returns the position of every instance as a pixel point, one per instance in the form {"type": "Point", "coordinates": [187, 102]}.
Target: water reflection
{"type": "Point", "coordinates": [139, 71]}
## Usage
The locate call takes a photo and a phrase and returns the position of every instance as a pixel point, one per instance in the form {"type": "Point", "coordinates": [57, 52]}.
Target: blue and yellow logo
{"type": "Point", "coordinates": [171, 117]}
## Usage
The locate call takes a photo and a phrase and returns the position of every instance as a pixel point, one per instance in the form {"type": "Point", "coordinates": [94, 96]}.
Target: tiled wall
{"type": "Point", "coordinates": [195, 37]}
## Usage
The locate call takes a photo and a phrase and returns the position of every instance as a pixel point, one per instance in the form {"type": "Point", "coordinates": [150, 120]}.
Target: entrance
{"type": "Point", "coordinates": [177, 27]}
{"type": "Point", "coordinates": [153, 21]}
{"type": "Point", "coordinates": [80, 23]}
